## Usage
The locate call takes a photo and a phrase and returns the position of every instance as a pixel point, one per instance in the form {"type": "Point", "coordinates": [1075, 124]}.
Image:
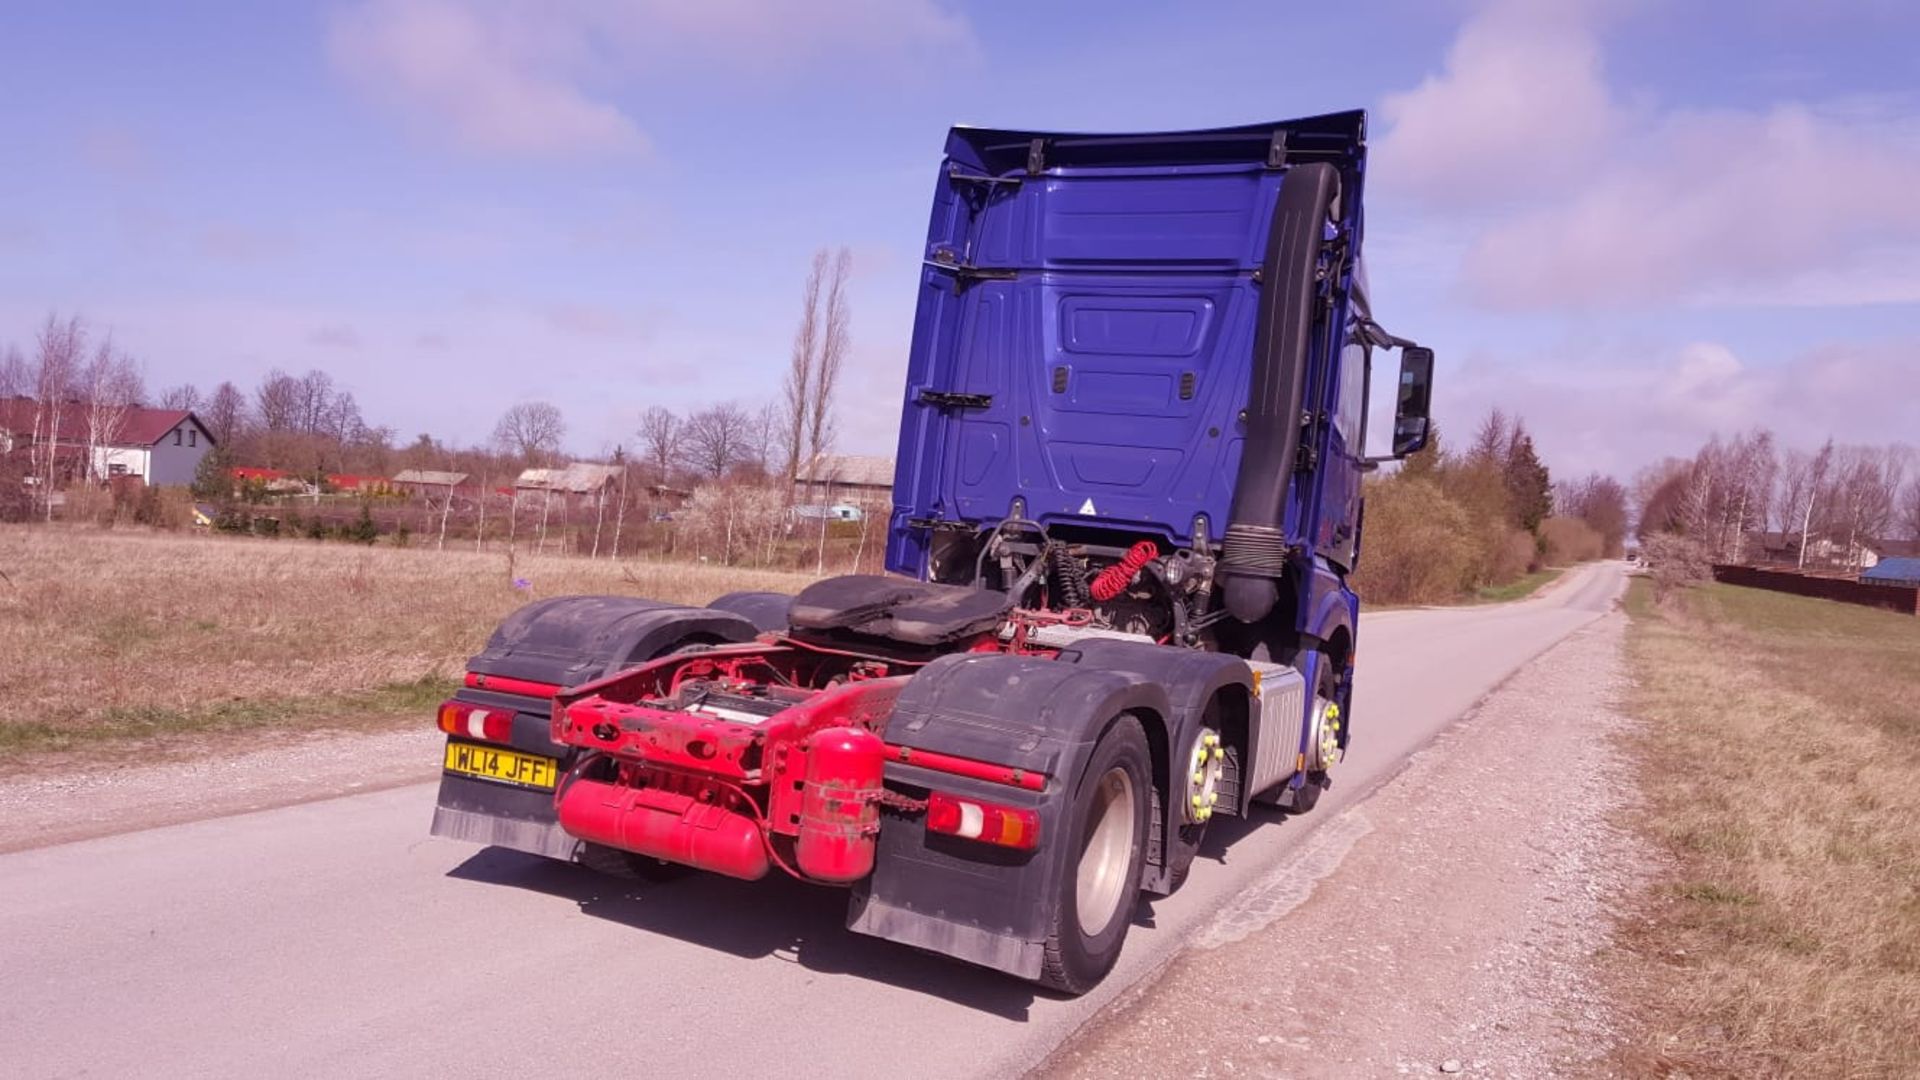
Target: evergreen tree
{"type": "Point", "coordinates": [213, 477]}
{"type": "Point", "coordinates": [1529, 487]}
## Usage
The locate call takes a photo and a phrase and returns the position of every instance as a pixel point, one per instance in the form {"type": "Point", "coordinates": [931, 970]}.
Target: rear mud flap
{"type": "Point", "coordinates": [961, 898]}
{"type": "Point", "coordinates": [497, 815]}
{"type": "Point", "coordinates": [940, 934]}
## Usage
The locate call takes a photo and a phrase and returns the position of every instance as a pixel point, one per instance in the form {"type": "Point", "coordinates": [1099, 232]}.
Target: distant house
{"type": "Point", "coordinates": [431, 483]}
{"type": "Point", "coordinates": [845, 477]}
{"type": "Point", "coordinates": [160, 447]}
{"type": "Point", "coordinates": [579, 481]}
{"type": "Point", "coordinates": [1894, 570]}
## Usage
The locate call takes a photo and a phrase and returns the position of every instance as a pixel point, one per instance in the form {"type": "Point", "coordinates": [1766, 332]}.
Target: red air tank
{"type": "Point", "coordinates": [665, 824]}
{"type": "Point", "coordinates": [839, 814]}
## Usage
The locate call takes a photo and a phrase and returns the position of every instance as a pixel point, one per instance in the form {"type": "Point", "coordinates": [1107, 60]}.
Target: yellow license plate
{"type": "Point", "coordinates": [498, 763]}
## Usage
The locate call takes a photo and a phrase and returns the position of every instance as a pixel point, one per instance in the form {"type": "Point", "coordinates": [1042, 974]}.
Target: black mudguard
{"type": "Point", "coordinates": [1192, 681]}
{"type": "Point", "coordinates": [564, 641]}
{"type": "Point", "coordinates": [767, 611]}
{"type": "Point", "coordinates": [988, 905]}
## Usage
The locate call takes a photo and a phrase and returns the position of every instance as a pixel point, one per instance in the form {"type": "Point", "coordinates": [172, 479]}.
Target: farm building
{"type": "Point", "coordinates": [160, 447]}
{"type": "Point", "coordinates": [432, 483]}
{"type": "Point", "coordinates": [578, 482]}
{"type": "Point", "coordinates": [1900, 570]}
{"type": "Point", "coordinates": [845, 478]}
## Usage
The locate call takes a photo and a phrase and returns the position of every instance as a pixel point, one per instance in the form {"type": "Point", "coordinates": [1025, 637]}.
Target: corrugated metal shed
{"type": "Point", "coordinates": [1894, 572]}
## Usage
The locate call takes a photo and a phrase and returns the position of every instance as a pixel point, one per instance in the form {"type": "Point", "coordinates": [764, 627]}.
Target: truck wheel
{"type": "Point", "coordinates": [1307, 796]}
{"type": "Point", "coordinates": [1098, 885]}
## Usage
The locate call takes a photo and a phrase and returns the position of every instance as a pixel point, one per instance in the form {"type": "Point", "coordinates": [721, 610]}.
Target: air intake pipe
{"type": "Point", "coordinates": [1254, 553]}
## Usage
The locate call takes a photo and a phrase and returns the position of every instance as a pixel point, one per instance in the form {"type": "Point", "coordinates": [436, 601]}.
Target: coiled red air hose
{"type": "Point", "coordinates": [1115, 579]}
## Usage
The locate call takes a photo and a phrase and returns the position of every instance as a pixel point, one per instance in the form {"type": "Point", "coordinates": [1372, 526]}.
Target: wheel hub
{"type": "Point", "coordinates": [1204, 768]}
{"type": "Point", "coordinates": [1326, 736]}
{"type": "Point", "coordinates": [1102, 876]}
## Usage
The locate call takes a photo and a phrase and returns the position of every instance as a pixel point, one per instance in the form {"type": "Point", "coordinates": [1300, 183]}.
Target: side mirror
{"type": "Point", "coordinates": [1411, 423]}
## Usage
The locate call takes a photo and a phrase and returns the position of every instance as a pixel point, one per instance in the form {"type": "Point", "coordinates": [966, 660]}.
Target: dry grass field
{"type": "Point", "coordinates": [109, 635]}
{"type": "Point", "coordinates": [1782, 772]}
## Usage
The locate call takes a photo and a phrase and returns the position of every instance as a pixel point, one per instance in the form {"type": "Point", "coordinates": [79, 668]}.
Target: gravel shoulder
{"type": "Point", "coordinates": [76, 797]}
{"type": "Point", "coordinates": [1446, 924]}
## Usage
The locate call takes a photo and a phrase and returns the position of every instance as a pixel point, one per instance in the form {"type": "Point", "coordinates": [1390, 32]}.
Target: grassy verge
{"type": "Point", "coordinates": [112, 636]}
{"type": "Point", "coordinates": [1521, 588]}
{"type": "Point", "coordinates": [414, 700]}
{"type": "Point", "coordinates": [1781, 745]}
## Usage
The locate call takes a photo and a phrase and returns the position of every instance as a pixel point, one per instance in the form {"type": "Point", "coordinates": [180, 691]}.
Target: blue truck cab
{"type": "Point", "coordinates": [1161, 338]}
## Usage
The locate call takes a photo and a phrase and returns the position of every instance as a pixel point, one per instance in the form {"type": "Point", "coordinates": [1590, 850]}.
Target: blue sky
{"type": "Point", "coordinates": [1634, 222]}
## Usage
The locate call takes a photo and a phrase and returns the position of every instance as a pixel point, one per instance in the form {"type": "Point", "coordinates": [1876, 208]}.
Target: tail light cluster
{"type": "Point", "coordinates": [476, 722]}
{"type": "Point", "coordinates": [972, 819]}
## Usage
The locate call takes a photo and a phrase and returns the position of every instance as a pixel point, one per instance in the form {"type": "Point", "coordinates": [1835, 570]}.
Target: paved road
{"type": "Point", "coordinates": [335, 938]}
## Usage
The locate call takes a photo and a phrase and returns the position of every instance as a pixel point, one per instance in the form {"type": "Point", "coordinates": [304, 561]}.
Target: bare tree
{"type": "Point", "coordinates": [1910, 510]}
{"type": "Point", "coordinates": [532, 430]}
{"type": "Point", "coordinates": [1863, 498]}
{"type": "Point", "coordinates": [16, 379]}
{"type": "Point", "coordinates": [764, 449]}
{"type": "Point", "coordinates": [55, 370]}
{"type": "Point", "coordinates": [801, 365]}
{"type": "Point", "coordinates": [112, 386]}
{"type": "Point", "coordinates": [835, 330]}
{"type": "Point", "coordinates": [1491, 441]}
{"type": "Point", "coordinates": [1816, 476]}
{"type": "Point", "coordinates": [184, 396]}
{"type": "Point", "coordinates": [717, 438]}
{"type": "Point", "coordinates": [225, 411]}
{"type": "Point", "coordinates": [277, 401]}
{"type": "Point", "coordinates": [661, 433]}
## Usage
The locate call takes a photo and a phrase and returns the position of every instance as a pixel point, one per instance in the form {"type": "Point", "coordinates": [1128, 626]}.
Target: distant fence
{"type": "Point", "coordinates": [1904, 599]}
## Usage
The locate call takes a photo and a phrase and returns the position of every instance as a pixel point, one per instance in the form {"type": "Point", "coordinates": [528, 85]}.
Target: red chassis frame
{"type": "Point", "coordinates": [665, 775]}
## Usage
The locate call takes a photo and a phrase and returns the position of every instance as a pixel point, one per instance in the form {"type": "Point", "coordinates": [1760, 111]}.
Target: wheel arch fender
{"type": "Point", "coordinates": [979, 903]}
{"type": "Point", "coordinates": [1197, 684]}
{"type": "Point", "coordinates": [569, 640]}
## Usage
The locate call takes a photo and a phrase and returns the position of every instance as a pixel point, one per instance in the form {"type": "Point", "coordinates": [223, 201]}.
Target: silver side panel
{"type": "Point", "coordinates": [1280, 718]}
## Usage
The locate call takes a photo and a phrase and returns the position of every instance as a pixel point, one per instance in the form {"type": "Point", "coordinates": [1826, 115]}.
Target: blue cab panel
{"type": "Point", "coordinates": [1085, 328]}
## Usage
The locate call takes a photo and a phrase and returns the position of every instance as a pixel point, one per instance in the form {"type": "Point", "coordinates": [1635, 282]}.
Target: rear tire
{"type": "Point", "coordinates": [1098, 886]}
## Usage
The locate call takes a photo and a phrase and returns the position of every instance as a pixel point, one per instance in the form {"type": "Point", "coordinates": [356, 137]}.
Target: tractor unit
{"type": "Point", "coordinates": [1127, 503]}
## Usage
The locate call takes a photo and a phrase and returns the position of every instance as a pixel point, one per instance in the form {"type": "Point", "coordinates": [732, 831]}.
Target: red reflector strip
{"type": "Point", "coordinates": [476, 722]}
{"type": "Point", "coordinates": [503, 685]}
{"type": "Point", "coordinates": [991, 823]}
{"type": "Point", "coordinates": [969, 768]}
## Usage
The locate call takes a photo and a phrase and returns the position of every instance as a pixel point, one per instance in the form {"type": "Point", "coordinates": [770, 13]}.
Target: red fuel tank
{"type": "Point", "coordinates": [666, 825]}
{"type": "Point", "coordinates": [839, 815]}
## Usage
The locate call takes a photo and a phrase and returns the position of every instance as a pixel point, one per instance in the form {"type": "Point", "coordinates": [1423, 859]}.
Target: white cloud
{"type": "Point", "coordinates": [523, 78]}
{"type": "Point", "coordinates": [1790, 205]}
{"type": "Point", "coordinates": [1521, 107]}
{"type": "Point", "coordinates": [472, 75]}
{"type": "Point", "coordinates": [1616, 413]}
{"type": "Point", "coordinates": [1581, 200]}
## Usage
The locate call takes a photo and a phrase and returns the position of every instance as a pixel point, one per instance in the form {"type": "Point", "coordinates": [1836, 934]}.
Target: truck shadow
{"type": "Point", "coordinates": [777, 918]}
